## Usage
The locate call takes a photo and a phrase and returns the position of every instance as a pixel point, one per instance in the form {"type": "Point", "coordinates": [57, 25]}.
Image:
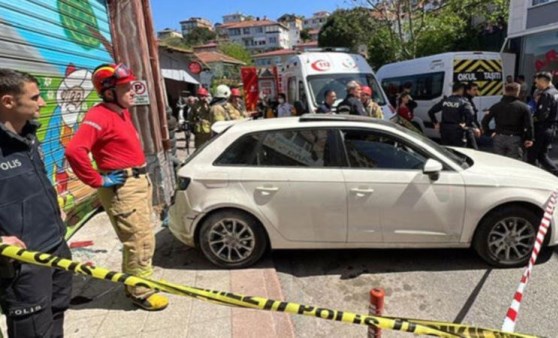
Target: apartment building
{"type": "Point", "coordinates": [316, 21]}
{"type": "Point", "coordinates": [257, 35]}
{"type": "Point", "coordinates": [235, 17]}
{"type": "Point", "coordinates": [168, 33]}
{"type": "Point", "coordinates": [294, 24]}
{"type": "Point", "coordinates": [533, 36]}
{"type": "Point", "coordinates": [188, 25]}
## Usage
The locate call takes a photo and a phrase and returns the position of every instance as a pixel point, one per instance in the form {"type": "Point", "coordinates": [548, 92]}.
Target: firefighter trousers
{"type": "Point", "coordinates": [129, 208]}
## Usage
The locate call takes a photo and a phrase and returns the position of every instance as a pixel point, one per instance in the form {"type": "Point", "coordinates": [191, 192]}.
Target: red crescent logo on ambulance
{"type": "Point", "coordinates": [321, 65]}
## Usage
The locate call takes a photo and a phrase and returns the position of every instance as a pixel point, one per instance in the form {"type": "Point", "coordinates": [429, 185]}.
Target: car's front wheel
{"type": "Point", "coordinates": [506, 237]}
{"type": "Point", "coordinates": [232, 239]}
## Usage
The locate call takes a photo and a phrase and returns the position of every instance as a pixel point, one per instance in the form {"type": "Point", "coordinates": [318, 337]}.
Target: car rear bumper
{"type": "Point", "coordinates": [181, 219]}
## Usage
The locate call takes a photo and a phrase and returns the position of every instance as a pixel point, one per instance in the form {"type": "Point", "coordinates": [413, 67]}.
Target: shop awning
{"type": "Point", "coordinates": [179, 75]}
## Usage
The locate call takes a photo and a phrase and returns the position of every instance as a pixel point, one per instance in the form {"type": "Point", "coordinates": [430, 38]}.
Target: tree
{"type": "Point", "coordinates": [347, 28]}
{"type": "Point", "coordinates": [236, 51]}
{"type": "Point", "coordinates": [199, 36]}
{"type": "Point", "coordinates": [175, 42]}
{"type": "Point", "coordinates": [305, 35]}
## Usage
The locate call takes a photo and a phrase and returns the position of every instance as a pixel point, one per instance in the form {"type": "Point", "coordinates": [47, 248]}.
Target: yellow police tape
{"type": "Point", "coordinates": [416, 326]}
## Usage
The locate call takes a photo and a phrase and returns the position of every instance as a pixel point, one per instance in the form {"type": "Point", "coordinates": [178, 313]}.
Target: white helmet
{"type": "Point", "coordinates": [222, 92]}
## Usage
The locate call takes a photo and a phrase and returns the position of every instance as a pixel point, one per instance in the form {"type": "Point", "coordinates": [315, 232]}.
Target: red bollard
{"type": "Point", "coordinates": [376, 308]}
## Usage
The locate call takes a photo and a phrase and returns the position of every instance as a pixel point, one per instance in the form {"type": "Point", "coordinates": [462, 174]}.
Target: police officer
{"type": "Point", "coordinates": [472, 91]}
{"type": "Point", "coordinates": [514, 124]}
{"type": "Point", "coordinates": [32, 298]}
{"type": "Point", "coordinates": [544, 123]}
{"type": "Point", "coordinates": [199, 118]}
{"type": "Point", "coordinates": [457, 117]}
{"type": "Point", "coordinates": [352, 103]}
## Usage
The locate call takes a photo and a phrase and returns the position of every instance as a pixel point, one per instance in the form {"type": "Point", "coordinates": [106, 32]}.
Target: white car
{"type": "Point", "coordinates": [337, 181]}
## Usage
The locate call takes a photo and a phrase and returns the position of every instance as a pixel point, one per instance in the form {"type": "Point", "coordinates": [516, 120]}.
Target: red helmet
{"type": "Point", "coordinates": [108, 76]}
{"type": "Point", "coordinates": [202, 92]}
{"type": "Point", "coordinates": [366, 90]}
{"type": "Point", "coordinates": [235, 92]}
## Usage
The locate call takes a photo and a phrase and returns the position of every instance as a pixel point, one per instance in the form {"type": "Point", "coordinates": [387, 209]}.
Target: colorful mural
{"type": "Point", "coordinates": [60, 42]}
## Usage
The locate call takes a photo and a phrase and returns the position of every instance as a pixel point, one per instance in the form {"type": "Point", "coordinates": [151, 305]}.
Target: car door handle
{"type": "Point", "coordinates": [362, 192]}
{"type": "Point", "coordinates": [267, 190]}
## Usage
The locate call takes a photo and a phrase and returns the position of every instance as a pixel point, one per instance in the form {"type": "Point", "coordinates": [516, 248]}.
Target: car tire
{"type": "Point", "coordinates": [232, 239]}
{"type": "Point", "coordinates": [506, 237]}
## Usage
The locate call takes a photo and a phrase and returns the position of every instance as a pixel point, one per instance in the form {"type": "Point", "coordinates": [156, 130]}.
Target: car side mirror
{"type": "Point", "coordinates": [432, 168]}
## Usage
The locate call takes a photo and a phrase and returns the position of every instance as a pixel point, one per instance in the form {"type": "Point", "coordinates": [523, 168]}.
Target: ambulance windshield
{"type": "Point", "coordinates": [319, 84]}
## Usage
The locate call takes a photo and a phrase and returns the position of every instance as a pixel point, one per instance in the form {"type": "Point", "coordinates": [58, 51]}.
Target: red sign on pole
{"type": "Point", "coordinates": [250, 81]}
{"type": "Point", "coordinates": [195, 67]}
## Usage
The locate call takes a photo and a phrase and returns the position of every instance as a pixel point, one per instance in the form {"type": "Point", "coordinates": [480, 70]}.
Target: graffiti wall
{"type": "Point", "coordinates": [60, 42]}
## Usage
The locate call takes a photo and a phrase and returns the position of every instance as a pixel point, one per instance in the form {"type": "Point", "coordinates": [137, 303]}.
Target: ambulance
{"type": "Point", "coordinates": [306, 77]}
{"type": "Point", "coordinates": [432, 77]}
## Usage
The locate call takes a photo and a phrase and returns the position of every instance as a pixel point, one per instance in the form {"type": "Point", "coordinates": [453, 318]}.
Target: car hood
{"type": "Point", "coordinates": [492, 169]}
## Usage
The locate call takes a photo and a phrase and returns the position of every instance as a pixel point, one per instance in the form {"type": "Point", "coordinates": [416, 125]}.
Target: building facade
{"type": "Point", "coordinates": [235, 17]}
{"type": "Point", "coordinates": [168, 33]}
{"type": "Point", "coordinates": [273, 58]}
{"type": "Point", "coordinates": [257, 35]}
{"type": "Point", "coordinates": [188, 25]}
{"type": "Point", "coordinates": [316, 21]}
{"type": "Point", "coordinates": [533, 36]}
{"type": "Point", "coordinates": [294, 25]}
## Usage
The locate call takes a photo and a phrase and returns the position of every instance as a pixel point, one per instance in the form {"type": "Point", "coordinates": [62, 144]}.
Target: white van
{"type": "Point", "coordinates": [307, 76]}
{"type": "Point", "coordinates": [431, 78]}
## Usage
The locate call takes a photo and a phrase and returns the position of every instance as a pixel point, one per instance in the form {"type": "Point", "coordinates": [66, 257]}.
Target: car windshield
{"type": "Point", "coordinates": [457, 157]}
{"type": "Point", "coordinates": [319, 84]}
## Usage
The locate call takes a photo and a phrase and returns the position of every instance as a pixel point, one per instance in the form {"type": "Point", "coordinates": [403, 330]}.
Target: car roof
{"type": "Point", "coordinates": [300, 121]}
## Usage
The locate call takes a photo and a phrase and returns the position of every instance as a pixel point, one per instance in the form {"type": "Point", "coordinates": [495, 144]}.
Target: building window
{"type": "Point", "coordinates": [259, 30]}
{"type": "Point", "coordinates": [246, 31]}
{"type": "Point", "coordinates": [272, 40]}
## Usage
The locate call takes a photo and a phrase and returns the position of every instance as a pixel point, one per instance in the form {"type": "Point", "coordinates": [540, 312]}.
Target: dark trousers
{"type": "Point", "coordinates": [35, 298]}
{"type": "Point", "coordinates": [539, 150]}
{"type": "Point", "coordinates": [508, 145]}
{"type": "Point", "coordinates": [452, 135]}
{"type": "Point", "coordinates": [471, 139]}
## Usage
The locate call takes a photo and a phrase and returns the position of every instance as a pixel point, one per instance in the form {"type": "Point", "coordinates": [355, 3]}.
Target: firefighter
{"type": "Point", "coordinates": [234, 107]}
{"type": "Point", "coordinates": [372, 108]}
{"type": "Point", "coordinates": [217, 110]}
{"type": "Point", "coordinates": [124, 189]}
{"type": "Point", "coordinates": [200, 118]}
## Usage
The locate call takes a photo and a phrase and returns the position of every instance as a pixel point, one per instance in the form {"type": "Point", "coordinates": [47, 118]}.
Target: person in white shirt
{"type": "Point", "coordinates": [284, 108]}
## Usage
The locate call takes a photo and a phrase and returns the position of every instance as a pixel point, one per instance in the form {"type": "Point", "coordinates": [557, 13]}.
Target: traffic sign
{"type": "Point", "coordinates": [141, 94]}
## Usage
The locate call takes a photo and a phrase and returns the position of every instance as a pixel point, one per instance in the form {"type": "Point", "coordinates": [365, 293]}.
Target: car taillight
{"type": "Point", "coordinates": [182, 183]}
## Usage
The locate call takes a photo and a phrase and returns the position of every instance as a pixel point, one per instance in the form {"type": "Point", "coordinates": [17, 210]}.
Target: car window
{"type": "Point", "coordinates": [374, 150]}
{"type": "Point", "coordinates": [312, 148]}
{"type": "Point", "coordinates": [241, 152]}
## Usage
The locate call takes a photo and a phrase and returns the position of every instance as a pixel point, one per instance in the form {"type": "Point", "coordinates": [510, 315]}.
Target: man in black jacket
{"type": "Point", "coordinates": [472, 91]}
{"type": "Point", "coordinates": [32, 298]}
{"type": "Point", "coordinates": [544, 121]}
{"type": "Point", "coordinates": [457, 117]}
{"type": "Point", "coordinates": [352, 104]}
{"type": "Point", "coordinates": [514, 124]}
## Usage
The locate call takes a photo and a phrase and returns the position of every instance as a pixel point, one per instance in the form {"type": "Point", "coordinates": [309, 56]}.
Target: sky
{"type": "Point", "coordinates": [168, 13]}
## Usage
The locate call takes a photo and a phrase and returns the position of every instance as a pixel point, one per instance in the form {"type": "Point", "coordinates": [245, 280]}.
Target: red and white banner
{"type": "Point", "coordinates": [250, 81]}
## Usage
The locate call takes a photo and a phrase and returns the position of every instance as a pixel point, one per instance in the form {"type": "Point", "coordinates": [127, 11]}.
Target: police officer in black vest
{"type": "Point", "coordinates": [457, 117]}
{"type": "Point", "coordinates": [544, 121]}
{"type": "Point", "coordinates": [32, 298]}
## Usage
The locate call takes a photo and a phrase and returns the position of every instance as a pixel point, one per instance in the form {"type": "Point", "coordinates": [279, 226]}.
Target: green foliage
{"type": "Point", "coordinates": [175, 42]}
{"type": "Point", "coordinates": [305, 35]}
{"type": "Point", "coordinates": [347, 28]}
{"type": "Point", "coordinates": [396, 30]}
{"type": "Point", "coordinates": [199, 36]}
{"type": "Point", "coordinates": [236, 51]}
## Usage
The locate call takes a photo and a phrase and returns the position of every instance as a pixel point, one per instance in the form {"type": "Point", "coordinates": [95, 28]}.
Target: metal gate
{"type": "Point", "coordinates": [60, 42]}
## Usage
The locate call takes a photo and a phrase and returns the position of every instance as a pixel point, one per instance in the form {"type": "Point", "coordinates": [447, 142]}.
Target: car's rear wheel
{"type": "Point", "coordinates": [232, 239]}
{"type": "Point", "coordinates": [505, 237]}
